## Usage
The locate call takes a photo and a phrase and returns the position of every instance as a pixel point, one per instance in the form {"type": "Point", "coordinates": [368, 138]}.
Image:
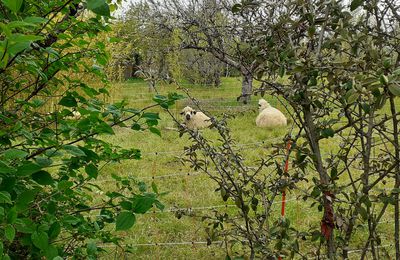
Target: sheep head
{"type": "Point", "coordinates": [188, 113]}
{"type": "Point", "coordinates": [263, 104]}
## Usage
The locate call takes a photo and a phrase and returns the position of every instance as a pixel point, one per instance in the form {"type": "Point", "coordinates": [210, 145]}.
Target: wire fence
{"type": "Point", "coordinates": [183, 243]}
{"type": "Point", "coordinates": [212, 207]}
{"type": "Point", "coordinates": [190, 209]}
{"type": "Point", "coordinates": [219, 242]}
{"type": "Point", "coordinates": [239, 146]}
{"type": "Point", "coordinates": [201, 208]}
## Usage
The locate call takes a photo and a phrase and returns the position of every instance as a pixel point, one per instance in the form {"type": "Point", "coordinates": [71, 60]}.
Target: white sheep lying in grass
{"type": "Point", "coordinates": [269, 116]}
{"type": "Point", "coordinates": [75, 115]}
{"type": "Point", "coordinates": [195, 120]}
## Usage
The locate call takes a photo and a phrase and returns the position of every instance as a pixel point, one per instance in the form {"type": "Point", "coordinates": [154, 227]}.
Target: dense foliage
{"type": "Point", "coordinates": [53, 128]}
{"type": "Point", "coordinates": [153, 50]}
{"type": "Point", "coordinates": [335, 65]}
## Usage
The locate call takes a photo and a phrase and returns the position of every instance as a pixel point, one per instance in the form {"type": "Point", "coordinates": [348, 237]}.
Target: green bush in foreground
{"type": "Point", "coordinates": [50, 121]}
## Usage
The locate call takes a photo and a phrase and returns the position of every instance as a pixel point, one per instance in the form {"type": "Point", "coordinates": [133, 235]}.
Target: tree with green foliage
{"type": "Point", "coordinates": [209, 26]}
{"type": "Point", "coordinates": [201, 68]}
{"type": "Point", "coordinates": [336, 67]}
{"type": "Point", "coordinates": [148, 47]}
{"type": "Point", "coordinates": [124, 58]}
{"type": "Point", "coordinates": [50, 156]}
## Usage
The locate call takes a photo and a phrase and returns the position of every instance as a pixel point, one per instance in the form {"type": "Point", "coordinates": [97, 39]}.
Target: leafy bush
{"type": "Point", "coordinates": [51, 128]}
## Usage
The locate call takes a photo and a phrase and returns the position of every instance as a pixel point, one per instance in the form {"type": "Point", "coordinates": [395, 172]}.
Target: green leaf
{"type": "Point", "coordinates": [25, 225]}
{"type": "Point", "coordinates": [20, 42]}
{"type": "Point", "coordinates": [68, 101]}
{"type": "Point", "coordinates": [4, 168]}
{"type": "Point", "coordinates": [363, 212]}
{"type": "Point", "coordinates": [43, 161]}
{"type": "Point", "coordinates": [114, 39]}
{"type": "Point", "coordinates": [51, 252]}
{"type": "Point", "coordinates": [13, 5]}
{"type": "Point", "coordinates": [25, 198]}
{"type": "Point", "coordinates": [155, 131]}
{"type": "Point", "coordinates": [150, 115]}
{"type": "Point", "coordinates": [327, 132]}
{"type": "Point", "coordinates": [159, 205]}
{"type": "Point", "coordinates": [384, 80]}
{"type": "Point", "coordinates": [351, 96]}
{"type": "Point", "coordinates": [236, 8]}
{"type": "Point", "coordinates": [355, 4]}
{"type": "Point", "coordinates": [14, 154]}
{"type": "Point", "coordinates": [127, 205]}
{"type": "Point", "coordinates": [152, 122]}
{"type": "Point", "coordinates": [35, 19]}
{"type": "Point", "coordinates": [125, 220]}
{"type": "Point", "coordinates": [104, 128]}
{"type": "Point", "coordinates": [160, 99]}
{"type": "Point", "coordinates": [141, 204]}
{"type": "Point", "coordinates": [55, 230]}
{"type": "Point", "coordinates": [74, 150]}
{"type": "Point", "coordinates": [19, 24]}
{"type": "Point", "coordinates": [12, 215]}
{"type": "Point", "coordinates": [71, 220]}
{"type": "Point", "coordinates": [136, 127]}
{"type": "Point", "coordinates": [316, 192]}
{"type": "Point", "coordinates": [18, 47]}
{"type": "Point", "coordinates": [91, 248]}
{"type": "Point", "coordinates": [43, 178]}
{"type": "Point", "coordinates": [334, 173]}
{"type": "Point", "coordinates": [28, 169]}
{"type": "Point", "coordinates": [40, 239]}
{"type": "Point", "coordinates": [394, 89]}
{"type": "Point", "coordinates": [18, 37]}
{"type": "Point", "coordinates": [92, 171]}
{"type": "Point", "coordinates": [9, 233]}
{"type": "Point", "coordinates": [98, 7]}
{"type": "Point", "coordinates": [154, 187]}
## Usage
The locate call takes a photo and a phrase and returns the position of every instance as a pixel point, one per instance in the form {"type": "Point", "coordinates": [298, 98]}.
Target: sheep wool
{"type": "Point", "coordinates": [195, 119]}
{"type": "Point", "coordinates": [269, 117]}
{"type": "Point", "coordinates": [75, 115]}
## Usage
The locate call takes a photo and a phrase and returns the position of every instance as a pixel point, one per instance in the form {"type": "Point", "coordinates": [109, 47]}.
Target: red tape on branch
{"type": "Point", "coordinates": [285, 170]}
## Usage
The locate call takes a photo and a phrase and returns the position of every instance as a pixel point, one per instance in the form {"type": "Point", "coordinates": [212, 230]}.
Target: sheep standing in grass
{"type": "Point", "coordinates": [195, 120]}
{"type": "Point", "coordinates": [269, 116]}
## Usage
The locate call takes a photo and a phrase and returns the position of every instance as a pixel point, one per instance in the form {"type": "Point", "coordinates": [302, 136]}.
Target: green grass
{"type": "Point", "coordinates": [194, 190]}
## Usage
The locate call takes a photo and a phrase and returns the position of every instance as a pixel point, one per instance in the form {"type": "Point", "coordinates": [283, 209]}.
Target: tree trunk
{"type": "Point", "coordinates": [397, 177]}
{"type": "Point", "coordinates": [327, 222]}
{"type": "Point", "coordinates": [247, 88]}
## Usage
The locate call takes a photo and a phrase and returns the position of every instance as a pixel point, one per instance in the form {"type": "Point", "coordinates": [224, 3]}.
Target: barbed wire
{"type": "Point", "coordinates": [201, 101]}
{"type": "Point", "coordinates": [368, 249]}
{"type": "Point", "coordinates": [167, 244]}
{"type": "Point", "coordinates": [215, 207]}
{"type": "Point", "coordinates": [201, 208]}
{"type": "Point", "coordinates": [239, 145]}
{"type": "Point", "coordinates": [177, 174]}
{"type": "Point", "coordinates": [208, 243]}
{"type": "Point", "coordinates": [196, 173]}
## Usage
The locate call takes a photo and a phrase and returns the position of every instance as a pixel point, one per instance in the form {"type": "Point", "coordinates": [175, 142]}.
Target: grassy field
{"type": "Point", "coordinates": [155, 234]}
